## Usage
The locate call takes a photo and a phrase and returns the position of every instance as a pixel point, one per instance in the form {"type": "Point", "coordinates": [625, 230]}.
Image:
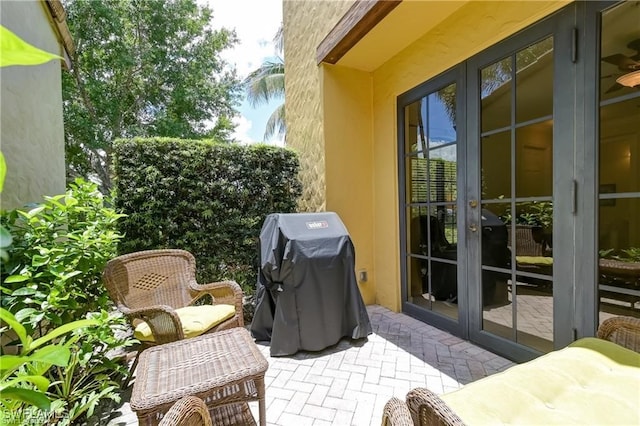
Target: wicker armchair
{"type": "Point", "coordinates": [625, 331]}
{"type": "Point", "coordinates": [150, 285]}
{"type": "Point", "coordinates": [188, 411]}
{"type": "Point", "coordinates": [423, 407]}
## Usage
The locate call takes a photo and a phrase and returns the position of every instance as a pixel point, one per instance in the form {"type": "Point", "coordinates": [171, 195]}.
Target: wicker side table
{"type": "Point", "coordinates": [225, 369]}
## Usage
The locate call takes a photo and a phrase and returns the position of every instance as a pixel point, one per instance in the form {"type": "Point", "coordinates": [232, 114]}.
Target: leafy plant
{"type": "Point", "coordinates": [631, 254]}
{"type": "Point", "coordinates": [143, 68]}
{"type": "Point", "coordinates": [22, 376]}
{"type": "Point", "coordinates": [15, 51]}
{"type": "Point", "coordinates": [94, 373]}
{"type": "Point", "coordinates": [59, 251]}
{"type": "Point", "coordinates": [208, 198]}
{"type": "Point", "coordinates": [537, 214]}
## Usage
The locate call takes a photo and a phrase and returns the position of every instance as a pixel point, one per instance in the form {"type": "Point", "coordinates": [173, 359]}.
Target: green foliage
{"type": "Point", "coordinates": [208, 198]}
{"type": "Point", "coordinates": [535, 213]}
{"type": "Point", "coordinates": [15, 51]}
{"type": "Point", "coordinates": [22, 376]}
{"type": "Point", "coordinates": [631, 254]}
{"type": "Point", "coordinates": [143, 68]}
{"type": "Point", "coordinates": [59, 251]}
{"type": "Point", "coordinates": [92, 375]}
{"type": "Point", "coordinates": [267, 83]}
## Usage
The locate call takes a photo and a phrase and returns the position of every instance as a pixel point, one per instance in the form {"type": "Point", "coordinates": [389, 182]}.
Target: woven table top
{"type": "Point", "coordinates": [199, 366]}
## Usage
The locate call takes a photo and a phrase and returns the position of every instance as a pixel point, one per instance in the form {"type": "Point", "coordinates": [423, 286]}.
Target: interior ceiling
{"type": "Point", "coordinates": [620, 25]}
{"type": "Point", "coordinates": [414, 17]}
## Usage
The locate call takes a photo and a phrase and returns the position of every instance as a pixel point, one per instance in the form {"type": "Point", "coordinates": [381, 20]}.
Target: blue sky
{"type": "Point", "coordinates": [255, 23]}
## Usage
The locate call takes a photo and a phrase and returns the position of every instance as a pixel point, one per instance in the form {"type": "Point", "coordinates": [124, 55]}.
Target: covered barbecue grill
{"type": "Point", "coordinates": [307, 294]}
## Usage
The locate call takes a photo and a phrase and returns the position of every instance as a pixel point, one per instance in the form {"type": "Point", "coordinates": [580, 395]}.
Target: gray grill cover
{"type": "Point", "coordinates": [307, 294]}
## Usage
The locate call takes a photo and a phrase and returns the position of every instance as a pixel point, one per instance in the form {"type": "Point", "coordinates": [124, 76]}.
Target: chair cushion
{"type": "Point", "coordinates": [591, 382]}
{"type": "Point", "coordinates": [534, 260]}
{"type": "Point", "coordinates": [195, 320]}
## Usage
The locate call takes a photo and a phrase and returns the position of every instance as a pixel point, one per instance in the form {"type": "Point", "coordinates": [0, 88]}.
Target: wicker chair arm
{"type": "Point", "coordinates": [226, 292]}
{"type": "Point", "coordinates": [162, 319]}
{"type": "Point", "coordinates": [427, 408]}
{"type": "Point", "coordinates": [188, 411]}
{"type": "Point", "coordinates": [625, 331]}
{"type": "Point", "coordinates": [396, 413]}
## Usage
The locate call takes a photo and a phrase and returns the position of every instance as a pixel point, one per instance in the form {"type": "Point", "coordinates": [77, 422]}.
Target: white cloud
{"type": "Point", "coordinates": [276, 140]}
{"type": "Point", "coordinates": [241, 132]}
{"type": "Point", "coordinates": [255, 22]}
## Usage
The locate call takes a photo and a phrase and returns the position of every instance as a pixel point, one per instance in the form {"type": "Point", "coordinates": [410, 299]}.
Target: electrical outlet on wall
{"type": "Point", "coordinates": [362, 275]}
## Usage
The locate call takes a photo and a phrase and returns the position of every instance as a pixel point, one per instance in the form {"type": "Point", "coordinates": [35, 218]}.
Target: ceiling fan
{"type": "Point", "coordinates": [629, 65]}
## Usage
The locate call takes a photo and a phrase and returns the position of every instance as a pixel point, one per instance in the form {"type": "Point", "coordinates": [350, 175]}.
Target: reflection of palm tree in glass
{"type": "Point", "coordinates": [267, 83]}
{"type": "Point", "coordinates": [498, 74]}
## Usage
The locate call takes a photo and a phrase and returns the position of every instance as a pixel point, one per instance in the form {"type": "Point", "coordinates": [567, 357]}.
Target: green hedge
{"type": "Point", "coordinates": [205, 197]}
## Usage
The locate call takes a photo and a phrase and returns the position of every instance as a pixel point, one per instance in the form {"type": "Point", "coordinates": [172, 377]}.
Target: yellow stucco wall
{"type": "Point", "coordinates": [361, 146]}
{"type": "Point", "coordinates": [349, 161]}
{"type": "Point", "coordinates": [306, 24]}
{"type": "Point", "coordinates": [32, 133]}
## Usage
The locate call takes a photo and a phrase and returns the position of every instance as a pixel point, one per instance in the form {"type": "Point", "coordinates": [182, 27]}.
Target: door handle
{"type": "Point", "coordinates": [473, 227]}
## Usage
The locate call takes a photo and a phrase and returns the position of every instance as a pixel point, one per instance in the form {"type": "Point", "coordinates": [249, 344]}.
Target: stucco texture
{"type": "Point", "coordinates": [32, 132]}
{"type": "Point", "coordinates": [343, 121]}
{"type": "Point", "coordinates": [306, 24]}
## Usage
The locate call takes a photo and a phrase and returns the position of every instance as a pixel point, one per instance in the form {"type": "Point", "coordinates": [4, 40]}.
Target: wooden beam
{"type": "Point", "coordinates": [59, 19]}
{"type": "Point", "coordinates": [361, 17]}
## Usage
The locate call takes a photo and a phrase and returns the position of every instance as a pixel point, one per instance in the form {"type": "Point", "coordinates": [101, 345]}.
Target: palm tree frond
{"type": "Point", "coordinates": [265, 83]}
{"type": "Point", "coordinates": [276, 124]}
{"type": "Point", "coordinates": [278, 40]}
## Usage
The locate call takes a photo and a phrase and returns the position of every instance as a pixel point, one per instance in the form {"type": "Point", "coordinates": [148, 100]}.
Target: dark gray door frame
{"type": "Point", "coordinates": [575, 30]}
{"type": "Point", "coordinates": [454, 75]}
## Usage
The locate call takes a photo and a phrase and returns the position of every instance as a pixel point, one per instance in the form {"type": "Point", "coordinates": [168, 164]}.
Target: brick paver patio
{"type": "Point", "coordinates": [348, 384]}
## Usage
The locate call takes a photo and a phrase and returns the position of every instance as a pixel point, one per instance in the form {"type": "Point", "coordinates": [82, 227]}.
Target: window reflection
{"type": "Point", "coordinates": [496, 95]}
{"type": "Point", "coordinates": [517, 189]}
{"type": "Point", "coordinates": [619, 164]}
{"type": "Point", "coordinates": [431, 181]}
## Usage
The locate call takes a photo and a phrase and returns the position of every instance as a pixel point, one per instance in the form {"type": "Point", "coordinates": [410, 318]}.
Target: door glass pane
{"type": "Point", "coordinates": [620, 147]}
{"type": "Point", "coordinates": [497, 314]}
{"type": "Point", "coordinates": [495, 93]}
{"type": "Point", "coordinates": [443, 174]}
{"type": "Point", "coordinates": [619, 168]}
{"type": "Point", "coordinates": [414, 131]}
{"type": "Point", "coordinates": [441, 113]}
{"type": "Point", "coordinates": [431, 185]}
{"type": "Point", "coordinates": [517, 189]}
{"type": "Point", "coordinates": [496, 166]}
{"type": "Point", "coordinates": [416, 179]}
{"type": "Point", "coordinates": [619, 263]}
{"type": "Point", "coordinates": [534, 160]}
{"type": "Point", "coordinates": [535, 313]}
{"type": "Point", "coordinates": [620, 51]}
{"type": "Point", "coordinates": [534, 81]}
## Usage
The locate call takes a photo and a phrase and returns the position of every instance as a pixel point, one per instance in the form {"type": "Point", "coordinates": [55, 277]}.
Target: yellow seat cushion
{"type": "Point", "coordinates": [534, 260]}
{"type": "Point", "coordinates": [591, 382]}
{"type": "Point", "coordinates": [195, 320]}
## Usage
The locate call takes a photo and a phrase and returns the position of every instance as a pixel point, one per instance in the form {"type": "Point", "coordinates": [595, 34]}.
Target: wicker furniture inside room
{"type": "Point", "coordinates": [225, 369]}
{"type": "Point", "coordinates": [150, 285]}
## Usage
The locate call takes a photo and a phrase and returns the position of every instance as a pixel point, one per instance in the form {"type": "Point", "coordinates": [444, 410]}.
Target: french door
{"type": "Point", "coordinates": [520, 170]}
{"type": "Point", "coordinates": [520, 174]}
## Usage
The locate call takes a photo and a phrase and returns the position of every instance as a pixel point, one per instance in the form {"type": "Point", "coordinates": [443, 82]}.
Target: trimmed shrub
{"type": "Point", "coordinates": [205, 197]}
